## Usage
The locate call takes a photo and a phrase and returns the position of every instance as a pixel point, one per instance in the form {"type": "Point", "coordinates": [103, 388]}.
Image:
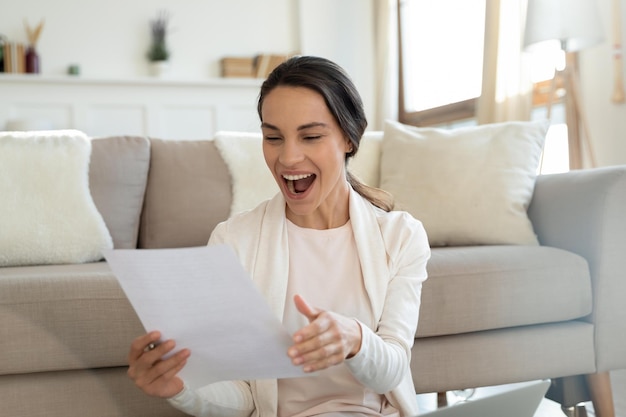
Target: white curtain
{"type": "Point", "coordinates": [507, 86]}
{"type": "Point", "coordinates": [386, 58]}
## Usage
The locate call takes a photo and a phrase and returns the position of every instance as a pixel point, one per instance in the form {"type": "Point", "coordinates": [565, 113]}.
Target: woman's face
{"type": "Point", "coordinates": [305, 150]}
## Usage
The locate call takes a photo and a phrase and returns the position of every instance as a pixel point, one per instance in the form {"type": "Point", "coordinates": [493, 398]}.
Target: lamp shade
{"type": "Point", "coordinates": [574, 23]}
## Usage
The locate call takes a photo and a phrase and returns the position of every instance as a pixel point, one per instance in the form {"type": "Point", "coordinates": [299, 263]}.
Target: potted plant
{"type": "Point", "coordinates": [159, 53]}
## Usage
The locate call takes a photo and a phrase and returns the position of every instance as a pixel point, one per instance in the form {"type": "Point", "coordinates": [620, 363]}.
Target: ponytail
{"type": "Point", "coordinates": [380, 198]}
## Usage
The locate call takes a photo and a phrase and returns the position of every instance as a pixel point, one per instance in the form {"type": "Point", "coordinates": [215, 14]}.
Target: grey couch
{"type": "Point", "coordinates": [490, 314]}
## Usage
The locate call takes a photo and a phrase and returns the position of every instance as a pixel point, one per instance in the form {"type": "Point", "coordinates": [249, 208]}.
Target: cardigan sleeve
{"type": "Point", "coordinates": [385, 353]}
{"type": "Point", "coordinates": [227, 399]}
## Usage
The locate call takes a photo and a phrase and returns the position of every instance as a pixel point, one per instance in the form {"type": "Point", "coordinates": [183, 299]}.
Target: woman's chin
{"type": "Point", "coordinates": [299, 204]}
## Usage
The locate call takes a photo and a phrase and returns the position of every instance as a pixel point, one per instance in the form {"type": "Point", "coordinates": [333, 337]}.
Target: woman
{"type": "Point", "coordinates": [341, 269]}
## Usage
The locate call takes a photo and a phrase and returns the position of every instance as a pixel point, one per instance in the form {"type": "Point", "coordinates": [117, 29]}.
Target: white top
{"type": "Point", "coordinates": [324, 268]}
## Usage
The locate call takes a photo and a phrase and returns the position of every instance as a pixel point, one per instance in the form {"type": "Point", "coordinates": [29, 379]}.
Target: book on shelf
{"type": "Point", "coordinates": [259, 66]}
{"type": "Point", "coordinates": [14, 58]}
{"type": "Point", "coordinates": [265, 63]}
{"type": "Point", "coordinates": [237, 67]}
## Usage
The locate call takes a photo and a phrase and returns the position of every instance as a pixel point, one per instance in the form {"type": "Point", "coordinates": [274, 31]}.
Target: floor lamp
{"type": "Point", "coordinates": [573, 25]}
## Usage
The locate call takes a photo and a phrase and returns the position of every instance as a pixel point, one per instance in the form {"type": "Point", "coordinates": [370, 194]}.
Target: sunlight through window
{"type": "Point", "coordinates": [443, 49]}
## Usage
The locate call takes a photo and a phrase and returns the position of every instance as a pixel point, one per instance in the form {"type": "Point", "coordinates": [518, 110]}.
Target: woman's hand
{"type": "Point", "coordinates": [152, 374]}
{"type": "Point", "coordinates": [327, 340]}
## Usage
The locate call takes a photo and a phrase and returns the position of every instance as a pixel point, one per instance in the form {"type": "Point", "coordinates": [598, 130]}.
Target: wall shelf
{"type": "Point", "coordinates": [174, 82]}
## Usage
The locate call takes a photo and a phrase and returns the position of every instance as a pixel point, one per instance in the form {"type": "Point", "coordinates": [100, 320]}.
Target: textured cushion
{"type": "Point", "coordinates": [118, 173]}
{"type": "Point", "coordinates": [88, 392]}
{"type": "Point", "coordinates": [491, 287]}
{"type": "Point", "coordinates": [252, 181]}
{"type": "Point", "coordinates": [503, 356]}
{"type": "Point", "coordinates": [63, 317]}
{"type": "Point", "coordinates": [47, 215]}
{"type": "Point", "coordinates": [187, 195]}
{"type": "Point", "coordinates": [469, 185]}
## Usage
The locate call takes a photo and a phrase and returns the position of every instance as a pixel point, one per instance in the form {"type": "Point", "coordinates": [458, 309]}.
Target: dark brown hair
{"type": "Point", "coordinates": [344, 103]}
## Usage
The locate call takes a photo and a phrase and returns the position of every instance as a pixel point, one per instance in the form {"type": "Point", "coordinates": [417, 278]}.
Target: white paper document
{"type": "Point", "coordinates": [204, 300]}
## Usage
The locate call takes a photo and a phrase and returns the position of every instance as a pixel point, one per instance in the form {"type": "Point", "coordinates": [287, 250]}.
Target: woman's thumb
{"type": "Point", "coordinates": [303, 307]}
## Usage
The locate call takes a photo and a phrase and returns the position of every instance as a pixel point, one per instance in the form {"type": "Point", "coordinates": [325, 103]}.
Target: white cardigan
{"type": "Point", "coordinates": [393, 250]}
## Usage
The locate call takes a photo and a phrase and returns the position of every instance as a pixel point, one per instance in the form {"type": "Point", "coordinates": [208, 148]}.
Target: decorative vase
{"type": "Point", "coordinates": [32, 60]}
{"type": "Point", "coordinates": [159, 68]}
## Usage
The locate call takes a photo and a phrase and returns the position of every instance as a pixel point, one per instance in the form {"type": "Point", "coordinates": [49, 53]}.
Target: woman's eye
{"type": "Point", "coordinates": [271, 138]}
{"type": "Point", "coordinates": [311, 137]}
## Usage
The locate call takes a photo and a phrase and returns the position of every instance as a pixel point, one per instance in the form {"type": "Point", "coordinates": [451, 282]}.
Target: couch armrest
{"type": "Point", "coordinates": [584, 211]}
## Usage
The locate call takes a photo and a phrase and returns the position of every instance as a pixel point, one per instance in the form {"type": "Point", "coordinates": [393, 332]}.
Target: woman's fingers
{"type": "Point", "coordinates": [323, 350]}
{"type": "Point", "coordinates": [322, 358]}
{"type": "Point", "coordinates": [162, 368]}
{"type": "Point", "coordinates": [326, 341]}
{"type": "Point", "coordinates": [139, 345]}
{"type": "Point", "coordinates": [150, 371]}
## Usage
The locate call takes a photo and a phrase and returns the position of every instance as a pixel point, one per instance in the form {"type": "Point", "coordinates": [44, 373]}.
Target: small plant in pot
{"type": "Point", "coordinates": [159, 54]}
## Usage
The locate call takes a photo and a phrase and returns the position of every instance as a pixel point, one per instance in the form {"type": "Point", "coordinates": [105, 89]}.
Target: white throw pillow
{"type": "Point", "coordinates": [47, 215]}
{"type": "Point", "coordinates": [468, 186]}
{"type": "Point", "coordinates": [251, 179]}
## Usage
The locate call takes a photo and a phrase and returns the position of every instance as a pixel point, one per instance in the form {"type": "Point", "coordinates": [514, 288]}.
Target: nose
{"type": "Point", "coordinates": [291, 152]}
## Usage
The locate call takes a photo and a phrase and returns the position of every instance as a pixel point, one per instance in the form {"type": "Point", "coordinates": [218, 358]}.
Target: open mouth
{"type": "Point", "coordinates": [297, 184]}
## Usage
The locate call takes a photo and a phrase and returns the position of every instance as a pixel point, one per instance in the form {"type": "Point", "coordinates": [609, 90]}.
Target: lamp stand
{"type": "Point", "coordinates": [578, 137]}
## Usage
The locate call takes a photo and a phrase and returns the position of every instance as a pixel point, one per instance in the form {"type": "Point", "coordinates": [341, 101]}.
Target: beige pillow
{"type": "Point", "coordinates": [469, 186]}
{"type": "Point", "coordinates": [47, 214]}
{"type": "Point", "coordinates": [188, 194]}
{"type": "Point", "coordinates": [118, 173]}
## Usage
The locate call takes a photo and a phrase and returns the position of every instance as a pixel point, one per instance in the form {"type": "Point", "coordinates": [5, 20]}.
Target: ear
{"type": "Point", "coordinates": [349, 148]}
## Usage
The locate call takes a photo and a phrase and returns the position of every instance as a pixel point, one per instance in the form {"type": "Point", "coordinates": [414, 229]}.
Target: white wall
{"type": "Point", "coordinates": [343, 31]}
{"type": "Point", "coordinates": [110, 38]}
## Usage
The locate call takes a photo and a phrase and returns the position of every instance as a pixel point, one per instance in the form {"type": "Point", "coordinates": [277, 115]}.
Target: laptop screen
{"type": "Point", "coordinates": [519, 401]}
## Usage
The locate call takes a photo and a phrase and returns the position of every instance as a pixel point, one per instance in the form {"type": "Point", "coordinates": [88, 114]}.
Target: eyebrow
{"type": "Point", "coordinates": [303, 127]}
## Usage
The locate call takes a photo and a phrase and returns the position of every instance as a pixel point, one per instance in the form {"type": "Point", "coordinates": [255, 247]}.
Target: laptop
{"type": "Point", "coordinates": [521, 401]}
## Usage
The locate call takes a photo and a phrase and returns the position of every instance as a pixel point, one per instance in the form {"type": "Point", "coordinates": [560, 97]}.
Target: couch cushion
{"type": "Point", "coordinates": [63, 317]}
{"type": "Point", "coordinates": [469, 186]}
{"type": "Point", "coordinates": [187, 195]}
{"type": "Point", "coordinates": [118, 173]}
{"type": "Point", "coordinates": [491, 287]}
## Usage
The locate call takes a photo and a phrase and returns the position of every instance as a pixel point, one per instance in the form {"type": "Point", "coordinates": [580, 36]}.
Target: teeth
{"type": "Point", "coordinates": [296, 177]}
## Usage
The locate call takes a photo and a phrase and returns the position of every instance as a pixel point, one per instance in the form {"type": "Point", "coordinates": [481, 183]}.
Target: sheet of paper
{"type": "Point", "coordinates": [204, 300]}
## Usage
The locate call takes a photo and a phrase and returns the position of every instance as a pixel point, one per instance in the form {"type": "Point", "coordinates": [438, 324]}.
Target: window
{"type": "Point", "coordinates": [441, 59]}
{"type": "Point", "coordinates": [441, 64]}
